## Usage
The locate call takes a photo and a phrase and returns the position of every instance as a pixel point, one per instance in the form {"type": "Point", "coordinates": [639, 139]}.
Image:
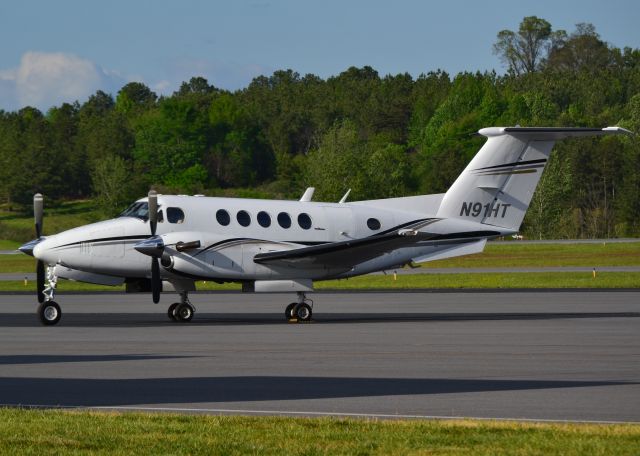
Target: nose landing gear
{"type": "Point", "coordinates": [49, 311]}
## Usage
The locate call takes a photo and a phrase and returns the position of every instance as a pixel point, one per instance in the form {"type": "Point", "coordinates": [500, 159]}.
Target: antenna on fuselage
{"type": "Point", "coordinates": [308, 194]}
{"type": "Point", "coordinates": [344, 198]}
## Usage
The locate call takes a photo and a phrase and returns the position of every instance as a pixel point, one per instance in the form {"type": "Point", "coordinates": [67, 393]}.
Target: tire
{"type": "Point", "coordinates": [303, 312]}
{"type": "Point", "coordinates": [49, 313]}
{"type": "Point", "coordinates": [171, 313]}
{"type": "Point", "coordinates": [288, 312]}
{"type": "Point", "coordinates": [184, 312]}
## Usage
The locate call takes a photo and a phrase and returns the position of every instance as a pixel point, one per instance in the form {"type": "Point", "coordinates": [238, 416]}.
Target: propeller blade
{"type": "Point", "coordinates": [153, 211]}
{"type": "Point", "coordinates": [40, 280]}
{"type": "Point", "coordinates": [156, 282]}
{"type": "Point", "coordinates": [38, 209]}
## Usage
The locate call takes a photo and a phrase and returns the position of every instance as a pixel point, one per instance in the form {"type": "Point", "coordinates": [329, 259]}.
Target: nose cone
{"type": "Point", "coordinates": [153, 246]}
{"type": "Point", "coordinates": [27, 248]}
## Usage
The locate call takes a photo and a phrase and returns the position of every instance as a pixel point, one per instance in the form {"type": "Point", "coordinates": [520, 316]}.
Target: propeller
{"type": "Point", "coordinates": [156, 282]}
{"type": "Point", "coordinates": [38, 214]}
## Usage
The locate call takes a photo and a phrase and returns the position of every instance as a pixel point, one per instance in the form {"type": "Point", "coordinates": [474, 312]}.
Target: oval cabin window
{"type": "Point", "coordinates": [284, 220]}
{"type": "Point", "coordinates": [264, 219]}
{"type": "Point", "coordinates": [373, 224]}
{"type": "Point", "coordinates": [222, 217]}
{"type": "Point", "coordinates": [243, 218]}
{"type": "Point", "coordinates": [304, 221]}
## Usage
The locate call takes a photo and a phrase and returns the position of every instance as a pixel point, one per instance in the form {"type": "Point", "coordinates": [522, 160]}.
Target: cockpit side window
{"type": "Point", "coordinates": [138, 210]}
{"type": "Point", "coordinates": [175, 215]}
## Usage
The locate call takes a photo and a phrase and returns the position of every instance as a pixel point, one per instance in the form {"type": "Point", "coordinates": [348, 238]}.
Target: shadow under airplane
{"type": "Point", "coordinates": [89, 392]}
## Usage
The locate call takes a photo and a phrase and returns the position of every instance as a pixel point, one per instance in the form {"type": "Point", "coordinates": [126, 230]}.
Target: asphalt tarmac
{"type": "Point", "coordinates": [541, 355]}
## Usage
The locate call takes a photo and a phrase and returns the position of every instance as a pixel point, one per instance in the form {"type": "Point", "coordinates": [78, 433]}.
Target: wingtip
{"type": "Point", "coordinates": [618, 131]}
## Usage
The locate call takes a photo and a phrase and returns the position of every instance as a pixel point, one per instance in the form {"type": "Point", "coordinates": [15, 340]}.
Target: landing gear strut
{"type": "Point", "coordinates": [300, 310]}
{"type": "Point", "coordinates": [182, 311]}
{"type": "Point", "coordinates": [49, 311]}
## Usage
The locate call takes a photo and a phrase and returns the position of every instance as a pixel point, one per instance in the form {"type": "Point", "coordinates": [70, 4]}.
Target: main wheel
{"type": "Point", "coordinates": [49, 313]}
{"type": "Point", "coordinates": [172, 311]}
{"type": "Point", "coordinates": [303, 311]}
{"type": "Point", "coordinates": [288, 312]}
{"type": "Point", "coordinates": [184, 312]}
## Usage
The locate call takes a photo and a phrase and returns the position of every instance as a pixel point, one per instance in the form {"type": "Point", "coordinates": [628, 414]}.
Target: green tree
{"type": "Point", "coordinates": [135, 97]}
{"type": "Point", "coordinates": [238, 156]}
{"type": "Point", "coordinates": [35, 164]}
{"type": "Point", "coordinates": [171, 143]}
{"type": "Point", "coordinates": [547, 214]}
{"type": "Point", "coordinates": [333, 166]}
{"type": "Point", "coordinates": [111, 181]}
{"type": "Point", "coordinates": [103, 132]}
{"type": "Point", "coordinates": [524, 51]}
{"type": "Point", "coordinates": [582, 50]}
{"type": "Point", "coordinates": [343, 161]}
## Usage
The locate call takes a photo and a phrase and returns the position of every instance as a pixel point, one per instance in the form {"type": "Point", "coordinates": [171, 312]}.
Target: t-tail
{"type": "Point", "coordinates": [497, 185]}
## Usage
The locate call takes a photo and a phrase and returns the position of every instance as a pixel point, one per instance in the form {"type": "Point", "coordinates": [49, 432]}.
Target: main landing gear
{"type": "Point", "coordinates": [299, 311]}
{"type": "Point", "coordinates": [182, 311]}
{"type": "Point", "coordinates": [49, 311]}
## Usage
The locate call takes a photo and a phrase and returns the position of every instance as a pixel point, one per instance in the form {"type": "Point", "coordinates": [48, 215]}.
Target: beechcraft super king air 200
{"type": "Point", "coordinates": [170, 242]}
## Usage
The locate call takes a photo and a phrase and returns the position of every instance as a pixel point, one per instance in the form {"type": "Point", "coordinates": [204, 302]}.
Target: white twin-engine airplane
{"type": "Point", "coordinates": [284, 246]}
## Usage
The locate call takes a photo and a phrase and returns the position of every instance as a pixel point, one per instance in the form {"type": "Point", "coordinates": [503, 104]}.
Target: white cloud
{"type": "Point", "coordinates": [48, 79]}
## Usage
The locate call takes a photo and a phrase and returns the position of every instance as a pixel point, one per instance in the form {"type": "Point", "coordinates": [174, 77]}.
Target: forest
{"type": "Point", "coordinates": [380, 136]}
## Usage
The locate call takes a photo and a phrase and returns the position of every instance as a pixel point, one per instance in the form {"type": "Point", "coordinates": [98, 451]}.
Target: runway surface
{"type": "Point", "coordinates": [524, 355]}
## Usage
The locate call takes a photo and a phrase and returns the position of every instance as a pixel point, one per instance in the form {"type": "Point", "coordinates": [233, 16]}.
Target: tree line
{"type": "Point", "coordinates": [380, 136]}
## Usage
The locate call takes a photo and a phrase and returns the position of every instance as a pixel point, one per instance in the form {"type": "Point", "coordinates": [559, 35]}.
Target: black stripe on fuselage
{"type": "Point", "coordinates": [109, 239]}
{"type": "Point", "coordinates": [306, 243]}
{"type": "Point", "coordinates": [507, 165]}
{"type": "Point", "coordinates": [235, 240]}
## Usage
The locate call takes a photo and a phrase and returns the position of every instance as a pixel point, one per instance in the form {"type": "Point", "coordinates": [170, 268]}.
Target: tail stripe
{"type": "Point", "coordinates": [506, 165]}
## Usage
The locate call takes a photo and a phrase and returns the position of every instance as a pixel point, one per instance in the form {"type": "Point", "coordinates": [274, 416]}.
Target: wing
{"type": "Point", "coordinates": [346, 254]}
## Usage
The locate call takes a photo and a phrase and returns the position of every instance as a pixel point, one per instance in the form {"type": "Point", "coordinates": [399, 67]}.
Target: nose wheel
{"type": "Point", "coordinates": [182, 311]}
{"type": "Point", "coordinates": [49, 313]}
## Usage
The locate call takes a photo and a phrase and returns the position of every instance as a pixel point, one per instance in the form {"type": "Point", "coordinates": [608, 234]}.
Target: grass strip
{"type": "Point", "coordinates": [8, 245]}
{"type": "Point", "coordinates": [18, 263]}
{"type": "Point", "coordinates": [546, 255]}
{"type": "Point", "coordinates": [85, 432]}
{"type": "Point", "coordinates": [488, 280]}
{"type": "Point", "coordinates": [531, 280]}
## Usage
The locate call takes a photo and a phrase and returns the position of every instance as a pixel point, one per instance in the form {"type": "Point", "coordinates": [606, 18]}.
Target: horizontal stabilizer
{"type": "Point", "coordinates": [552, 133]}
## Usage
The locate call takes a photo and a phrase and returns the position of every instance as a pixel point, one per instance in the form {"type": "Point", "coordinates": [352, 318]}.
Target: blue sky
{"type": "Point", "coordinates": [63, 50]}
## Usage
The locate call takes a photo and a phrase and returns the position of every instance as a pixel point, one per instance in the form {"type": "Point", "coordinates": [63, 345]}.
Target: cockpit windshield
{"type": "Point", "coordinates": [138, 210]}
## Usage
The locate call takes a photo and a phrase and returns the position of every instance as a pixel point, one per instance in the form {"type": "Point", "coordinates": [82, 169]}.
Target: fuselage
{"type": "Point", "coordinates": [231, 231]}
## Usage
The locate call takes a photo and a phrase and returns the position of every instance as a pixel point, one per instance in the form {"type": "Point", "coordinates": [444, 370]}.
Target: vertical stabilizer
{"type": "Point", "coordinates": [497, 185]}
